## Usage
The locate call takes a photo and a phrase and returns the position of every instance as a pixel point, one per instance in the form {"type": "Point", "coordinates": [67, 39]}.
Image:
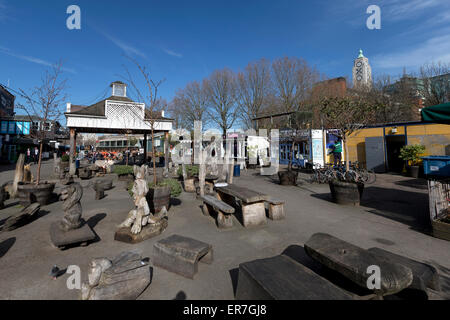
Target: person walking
{"type": "Point", "coordinates": [36, 155]}
{"type": "Point", "coordinates": [28, 156]}
{"type": "Point", "coordinates": [337, 152]}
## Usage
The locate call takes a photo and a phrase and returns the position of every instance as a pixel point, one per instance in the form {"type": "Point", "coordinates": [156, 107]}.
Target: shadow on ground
{"type": "Point", "coordinates": [413, 183]}
{"type": "Point", "coordinates": [407, 207]}
{"type": "Point", "coordinates": [6, 245]}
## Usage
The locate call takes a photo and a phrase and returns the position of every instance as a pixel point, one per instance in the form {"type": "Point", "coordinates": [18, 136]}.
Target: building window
{"type": "Point", "coordinates": [113, 143]}
{"type": "Point", "coordinates": [119, 143]}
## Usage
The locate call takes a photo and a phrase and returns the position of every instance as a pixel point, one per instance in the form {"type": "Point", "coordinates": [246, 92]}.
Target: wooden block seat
{"type": "Point", "coordinates": [276, 209]}
{"type": "Point", "coordinates": [282, 278]}
{"type": "Point", "coordinates": [224, 211]}
{"type": "Point", "coordinates": [353, 263]}
{"type": "Point", "coordinates": [252, 203]}
{"type": "Point", "coordinates": [181, 254]}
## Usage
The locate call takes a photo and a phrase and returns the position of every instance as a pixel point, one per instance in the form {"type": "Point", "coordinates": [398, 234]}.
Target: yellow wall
{"type": "Point", "coordinates": [435, 138]}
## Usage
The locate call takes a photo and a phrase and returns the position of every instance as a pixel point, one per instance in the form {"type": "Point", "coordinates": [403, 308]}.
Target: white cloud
{"type": "Point", "coordinates": [32, 59]}
{"type": "Point", "coordinates": [434, 49]}
{"type": "Point", "coordinates": [122, 45]}
{"type": "Point", "coordinates": [173, 53]}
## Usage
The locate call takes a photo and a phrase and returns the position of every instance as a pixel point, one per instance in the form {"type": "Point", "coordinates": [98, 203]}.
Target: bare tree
{"type": "Point", "coordinates": [436, 83]}
{"type": "Point", "coordinates": [347, 115]}
{"type": "Point", "coordinates": [293, 80]}
{"type": "Point", "coordinates": [221, 92]}
{"type": "Point", "coordinates": [253, 90]}
{"type": "Point", "coordinates": [190, 104]}
{"type": "Point", "coordinates": [152, 101]}
{"type": "Point", "coordinates": [44, 103]}
{"type": "Point", "coordinates": [395, 101]}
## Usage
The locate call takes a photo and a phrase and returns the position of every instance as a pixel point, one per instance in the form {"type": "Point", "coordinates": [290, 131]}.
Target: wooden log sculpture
{"type": "Point", "coordinates": [71, 195]}
{"type": "Point", "coordinates": [71, 229]}
{"type": "Point", "coordinates": [123, 278]}
{"type": "Point", "coordinates": [140, 216]}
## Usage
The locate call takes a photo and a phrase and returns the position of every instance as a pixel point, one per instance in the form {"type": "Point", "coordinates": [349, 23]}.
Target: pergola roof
{"type": "Point", "coordinates": [116, 115]}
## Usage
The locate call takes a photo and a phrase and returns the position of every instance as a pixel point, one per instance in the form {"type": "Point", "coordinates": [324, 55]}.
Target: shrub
{"type": "Point", "coordinates": [65, 158]}
{"type": "Point", "coordinates": [123, 170]}
{"type": "Point", "coordinates": [191, 171]}
{"type": "Point", "coordinates": [175, 186]}
{"type": "Point", "coordinates": [411, 153]}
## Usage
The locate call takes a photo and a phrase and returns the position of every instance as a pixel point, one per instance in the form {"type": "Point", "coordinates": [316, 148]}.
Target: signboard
{"type": "Point", "coordinates": [317, 147]}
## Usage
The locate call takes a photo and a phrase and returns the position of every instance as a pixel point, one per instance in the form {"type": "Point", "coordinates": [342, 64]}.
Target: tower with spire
{"type": "Point", "coordinates": [362, 72]}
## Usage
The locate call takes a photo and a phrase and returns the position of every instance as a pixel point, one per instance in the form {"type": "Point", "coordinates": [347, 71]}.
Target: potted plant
{"type": "Point", "coordinates": [159, 196]}
{"type": "Point", "coordinates": [43, 106]}
{"type": "Point", "coordinates": [346, 115]}
{"type": "Point", "coordinates": [411, 154]}
{"type": "Point", "coordinates": [64, 161]}
{"type": "Point", "coordinates": [124, 172]}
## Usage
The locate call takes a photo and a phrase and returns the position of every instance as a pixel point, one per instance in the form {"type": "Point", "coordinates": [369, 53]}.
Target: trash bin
{"type": "Point", "coordinates": [438, 166]}
{"type": "Point", "coordinates": [237, 170]}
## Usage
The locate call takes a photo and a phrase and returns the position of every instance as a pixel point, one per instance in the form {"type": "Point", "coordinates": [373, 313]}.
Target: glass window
{"type": "Point", "coordinates": [113, 143]}
{"type": "Point", "coordinates": [106, 143]}
{"type": "Point", "coordinates": [119, 143]}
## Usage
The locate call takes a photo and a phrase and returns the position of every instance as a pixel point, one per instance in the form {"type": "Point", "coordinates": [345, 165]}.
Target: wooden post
{"type": "Point", "coordinates": [145, 148]}
{"type": "Point", "coordinates": [230, 171]}
{"type": "Point", "coordinates": [166, 150]}
{"type": "Point", "coordinates": [73, 149]}
{"type": "Point", "coordinates": [18, 175]}
{"type": "Point", "coordinates": [202, 173]}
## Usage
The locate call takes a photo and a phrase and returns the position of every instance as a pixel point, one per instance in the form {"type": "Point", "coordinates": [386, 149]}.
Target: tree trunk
{"type": "Point", "coordinates": [38, 174]}
{"type": "Point", "coordinates": [347, 163]}
{"type": "Point", "coordinates": [153, 156]}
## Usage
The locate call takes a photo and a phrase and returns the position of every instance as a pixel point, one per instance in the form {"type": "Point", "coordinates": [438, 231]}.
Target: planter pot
{"type": "Point", "coordinates": [158, 198]}
{"type": "Point", "coordinates": [414, 171]}
{"type": "Point", "coordinates": [84, 173]}
{"type": "Point", "coordinates": [288, 178]}
{"type": "Point", "coordinates": [30, 193]}
{"type": "Point", "coordinates": [441, 229]}
{"type": "Point", "coordinates": [106, 184]}
{"type": "Point", "coordinates": [346, 192]}
{"type": "Point", "coordinates": [63, 166]}
{"type": "Point", "coordinates": [189, 185]}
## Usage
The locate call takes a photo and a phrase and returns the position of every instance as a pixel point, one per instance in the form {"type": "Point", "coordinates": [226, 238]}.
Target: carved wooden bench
{"type": "Point", "coordinates": [180, 255]}
{"type": "Point", "coordinates": [282, 278]}
{"type": "Point", "coordinates": [353, 262]}
{"type": "Point", "coordinates": [224, 211]}
{"type": "Point", "coordinates": [276, 209]}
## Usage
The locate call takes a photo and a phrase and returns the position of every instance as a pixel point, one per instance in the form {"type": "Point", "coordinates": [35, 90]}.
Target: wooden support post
{"type": "Point", "coordinates": [166, 150]}
{"type": "Point", "coordinates": [73, 149]}
{"type": "Point", "coordinates": [202, 173]}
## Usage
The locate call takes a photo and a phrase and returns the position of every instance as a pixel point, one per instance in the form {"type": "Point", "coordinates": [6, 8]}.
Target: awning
{"type": "Point", "coordinates": [437, 114]}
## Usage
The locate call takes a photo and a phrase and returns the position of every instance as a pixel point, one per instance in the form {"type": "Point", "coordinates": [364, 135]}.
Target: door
{"type": "Point", "coordinates": [375, 154]}
{"type": "Point", "coordinates": [393, 146]}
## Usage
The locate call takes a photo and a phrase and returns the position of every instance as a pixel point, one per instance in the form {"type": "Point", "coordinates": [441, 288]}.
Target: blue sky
{"type": "Point", "coordinates": [183, 41]}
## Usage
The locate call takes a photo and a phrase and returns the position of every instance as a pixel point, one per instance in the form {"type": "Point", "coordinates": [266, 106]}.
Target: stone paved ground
{"type": "Point", "coordinates": [390, 217]}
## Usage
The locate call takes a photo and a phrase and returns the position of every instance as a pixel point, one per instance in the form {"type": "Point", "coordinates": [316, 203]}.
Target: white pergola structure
{"type": "Point", "coordinates": [116, 114]}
